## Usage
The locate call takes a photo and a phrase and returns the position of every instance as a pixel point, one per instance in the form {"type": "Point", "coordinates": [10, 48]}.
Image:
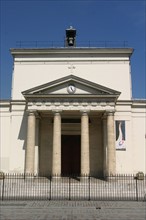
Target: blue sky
{"type": "Point", "coordinates": [95, 20]}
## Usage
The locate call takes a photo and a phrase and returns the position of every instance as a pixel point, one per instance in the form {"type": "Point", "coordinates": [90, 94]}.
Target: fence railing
{"type": "Point", "coordinates": [34, 187]}
{"type": "Point", "coordinates": [58, 44]}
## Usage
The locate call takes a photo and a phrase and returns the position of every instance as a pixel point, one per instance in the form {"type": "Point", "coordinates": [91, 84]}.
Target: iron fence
{"type": "Point", "coordinates": [58, 44]}
{"type": "Point", "coordinates": [34, 187]}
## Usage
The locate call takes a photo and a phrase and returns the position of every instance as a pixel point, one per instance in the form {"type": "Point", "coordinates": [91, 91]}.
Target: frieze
{"type": "Point", "coordinates": [71, 105]}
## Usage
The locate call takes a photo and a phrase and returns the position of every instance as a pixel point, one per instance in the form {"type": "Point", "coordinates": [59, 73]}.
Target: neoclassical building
{"type": "Point", "coordinates": [72, 112]}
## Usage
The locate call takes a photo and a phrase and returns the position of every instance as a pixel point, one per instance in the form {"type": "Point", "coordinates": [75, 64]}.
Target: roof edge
{"type": "Point", "coordinates": [64, 50]}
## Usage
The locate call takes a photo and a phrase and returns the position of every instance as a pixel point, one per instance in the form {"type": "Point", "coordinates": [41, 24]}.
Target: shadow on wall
{"type": "Point", "coordinates": [96, 148]}
{"type": "Point", "coordinates": [45, 145]}
{"type": "Point", "coordinates": [23, 131]}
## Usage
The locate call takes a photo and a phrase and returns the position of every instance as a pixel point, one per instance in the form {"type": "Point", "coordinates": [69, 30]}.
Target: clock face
{"type": "Point", "coordinates": [71, 89]}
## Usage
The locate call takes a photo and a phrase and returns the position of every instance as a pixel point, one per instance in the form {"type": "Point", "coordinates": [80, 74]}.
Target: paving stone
{"type": "Point", "coordinates": [72, 210]}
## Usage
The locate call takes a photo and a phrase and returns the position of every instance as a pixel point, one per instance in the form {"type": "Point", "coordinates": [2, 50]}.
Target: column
{"type": "Point", "coordinates": [104, 131]}
{"type": "Point", "coordinates": [36, 161]}
{"type": "Point", "coordinates": [30, 144]}
{"type": "Point", "coordinates": [56, 160]}
{"type": "Point", "coordinates": [111, 152]}
{"type": "Point", "coordinates": [85, 162]}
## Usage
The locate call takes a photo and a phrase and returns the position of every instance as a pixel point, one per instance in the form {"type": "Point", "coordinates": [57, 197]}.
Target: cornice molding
{"type": "Point", "coordinates": [77, 50]}
{"type": "Point", "coordinates": [96, 91]}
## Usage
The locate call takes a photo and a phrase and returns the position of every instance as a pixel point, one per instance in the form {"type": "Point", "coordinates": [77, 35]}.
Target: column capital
{"type": "Point", "coordinates": [32, 112]}
{"type": "Point", "coordinates": [57, 112]}
{"type": "Point", "coordinates": [85, 111]}
{"type": "Point", "coordinates": [109, 112]}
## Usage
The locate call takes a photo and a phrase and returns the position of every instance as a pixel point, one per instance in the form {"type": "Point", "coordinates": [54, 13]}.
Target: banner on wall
{"type": "Point", "coordinates": [120, 135]}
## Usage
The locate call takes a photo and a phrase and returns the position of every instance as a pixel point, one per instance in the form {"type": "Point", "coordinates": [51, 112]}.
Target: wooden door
{"type": "Point", "coordinates": [70, 154]}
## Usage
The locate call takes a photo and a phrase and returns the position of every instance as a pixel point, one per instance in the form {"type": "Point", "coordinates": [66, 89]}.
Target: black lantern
{"type": "Point", "coordinates": [70, 37]}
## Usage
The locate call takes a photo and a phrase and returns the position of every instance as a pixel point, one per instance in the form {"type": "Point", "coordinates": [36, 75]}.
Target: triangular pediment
{"type": "Point", "coordinates": [70, 85]}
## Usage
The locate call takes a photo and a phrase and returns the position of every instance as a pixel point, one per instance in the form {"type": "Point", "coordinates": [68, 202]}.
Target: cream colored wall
{"type": "Point", "coordinates": [112, 74]}
{"type": "Point", "coordinates": [5, 141]}
{"type": "Point", "coordinates": [139, 143]}
{"type": "Point", "coordinates": [12, 143]}
{"type": "Point", "coordinates": [133, 159]}
{"type": "Point", "coordinates": [18, 141]}
{"type": "Point", "coordinates": [124, 158]}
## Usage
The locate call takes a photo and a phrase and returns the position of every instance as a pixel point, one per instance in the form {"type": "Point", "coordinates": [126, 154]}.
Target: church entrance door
{"type": "Point", "coordinates": [70, 154]}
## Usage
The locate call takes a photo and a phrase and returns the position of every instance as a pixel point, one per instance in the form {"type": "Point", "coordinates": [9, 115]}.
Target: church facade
{"type": "Point", "coordinates": [72, 112]}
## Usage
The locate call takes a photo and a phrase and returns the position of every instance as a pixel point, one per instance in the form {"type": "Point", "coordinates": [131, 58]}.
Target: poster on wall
{"type": "Point", "coordinates": [120, 135]}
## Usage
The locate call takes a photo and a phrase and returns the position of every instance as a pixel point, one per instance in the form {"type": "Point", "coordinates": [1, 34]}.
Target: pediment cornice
{"type": "Point", "coordinates": [59, 89]}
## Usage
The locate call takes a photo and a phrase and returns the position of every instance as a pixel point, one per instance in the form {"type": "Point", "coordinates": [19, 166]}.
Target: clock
{"type": "Point", "coordinates": [71, 89]}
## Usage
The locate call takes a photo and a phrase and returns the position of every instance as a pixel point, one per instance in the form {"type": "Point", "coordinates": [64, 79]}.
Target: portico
{"type": "Point", "coordinates": [84, 130]}
{"type": "Point", "coordinates": [90, 116]}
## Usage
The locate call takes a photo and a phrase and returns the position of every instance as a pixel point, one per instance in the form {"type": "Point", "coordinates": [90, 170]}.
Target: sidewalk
{"type": "Point", "coordinates": [72, 210]}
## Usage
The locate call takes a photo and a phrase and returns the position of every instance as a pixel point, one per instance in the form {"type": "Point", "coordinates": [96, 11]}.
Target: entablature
{"type": "Point", "coordinates": [76, 104]}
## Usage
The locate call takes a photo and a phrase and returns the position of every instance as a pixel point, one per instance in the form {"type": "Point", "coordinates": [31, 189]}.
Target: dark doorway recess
{"type": "Point", "coordinates": [70, 154]}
